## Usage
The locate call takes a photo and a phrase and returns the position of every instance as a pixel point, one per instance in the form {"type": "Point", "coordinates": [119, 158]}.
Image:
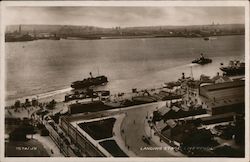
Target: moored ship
{"type": "Point", "coordinates": [18, 38]}
{"type": "Point", "coordinates": [91, 81]}
{"type": "Point", "coordinates": [234, 68]}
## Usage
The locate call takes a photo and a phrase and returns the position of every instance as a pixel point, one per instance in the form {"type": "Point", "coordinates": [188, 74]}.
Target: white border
{"type": "Point", "coordinates": [124, 3]}
{"type": "Point", "coordinates": [247, 90]}
{"type": "Point", "coordinates": [2, 86]}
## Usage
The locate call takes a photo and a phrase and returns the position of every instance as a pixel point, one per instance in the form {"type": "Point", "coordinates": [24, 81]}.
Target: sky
{"type": "Point", "coordinates": [124, 16]}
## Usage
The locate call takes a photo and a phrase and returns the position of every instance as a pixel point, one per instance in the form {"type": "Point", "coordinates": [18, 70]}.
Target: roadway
{"type": "Point", "coordinates": [133, 126]}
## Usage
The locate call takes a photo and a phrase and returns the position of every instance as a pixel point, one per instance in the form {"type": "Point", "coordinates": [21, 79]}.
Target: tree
{"type": "Point", "coordinates": [51, 104]}
{"type": "Point", "coordinates": [44, 132]}
{"type": "Point", "coordinates": [34, 102]}
{"type": "Point", "coordinates": [17, 135]}
{"type": "Point", "coordinates": [197, 139]}
{"type": "Point", "coordinates": [27, 128]}
{"type": "Point", "coordinates": [240, 131]}
{"type": "Point", "coordinates": [17, 104]}
{"type": "Point", "coordinates": [156, 116]}
{"type": "Point", "coordinates": [27, 102]}
{"type": "Point", "coordinates": [77, 93]}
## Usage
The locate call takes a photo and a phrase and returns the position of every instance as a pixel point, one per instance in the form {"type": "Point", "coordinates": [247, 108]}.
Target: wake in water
{"type": "Point", "coordinates": [52, 93]}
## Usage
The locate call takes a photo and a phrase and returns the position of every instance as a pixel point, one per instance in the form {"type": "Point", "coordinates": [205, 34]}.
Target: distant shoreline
{"type": "Point", "coordinates": [161, 36]}
{"type": "Point", "coordinates": [132, 37]}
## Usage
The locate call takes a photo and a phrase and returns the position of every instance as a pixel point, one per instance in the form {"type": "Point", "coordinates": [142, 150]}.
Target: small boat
{"type": "Point", "coordinates": [206, 38]}
{"type": "Point", "coordinates": [202, 60]}
{"type": "Point", "coordinates": [209, 38]}
{"type": "Point", "coordinates": [234, 68]}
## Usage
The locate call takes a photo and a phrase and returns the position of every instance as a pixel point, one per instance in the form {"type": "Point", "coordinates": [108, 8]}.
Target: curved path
{"type": "Point", "coordinates": [133, 127]}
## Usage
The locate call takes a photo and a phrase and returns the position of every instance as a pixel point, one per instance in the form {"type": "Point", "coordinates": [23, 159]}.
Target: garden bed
{"type": "Point", "coordinates": [112, 147]}
{"type": "Point", "coordinates": [100, 129]}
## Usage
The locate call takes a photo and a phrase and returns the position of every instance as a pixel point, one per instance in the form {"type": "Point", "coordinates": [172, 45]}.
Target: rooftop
{"type": "Point", "coordinates": [226, 102]}
{"type": "Point", "coordinates": [225, 85]}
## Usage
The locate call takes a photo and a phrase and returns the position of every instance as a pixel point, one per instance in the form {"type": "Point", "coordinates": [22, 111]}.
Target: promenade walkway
{"type": "Point", "coordinates": [133, 128]}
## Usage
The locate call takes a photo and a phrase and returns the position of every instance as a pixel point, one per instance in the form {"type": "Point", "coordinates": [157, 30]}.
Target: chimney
{"type": "Point", "coordinates": [20, 29]}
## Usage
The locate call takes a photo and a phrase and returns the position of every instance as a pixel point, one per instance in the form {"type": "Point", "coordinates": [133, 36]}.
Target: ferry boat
{"type": "Point", "coordinates": [234, 68]}
{"type": "Point", "coordinates": [88, 82]}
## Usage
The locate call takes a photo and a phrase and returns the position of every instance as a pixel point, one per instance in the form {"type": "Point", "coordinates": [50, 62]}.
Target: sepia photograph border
{"type": "Point", "coordinates": [5, 4]}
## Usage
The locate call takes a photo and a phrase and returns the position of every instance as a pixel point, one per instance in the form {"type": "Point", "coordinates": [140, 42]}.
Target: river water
{"type": "Point", "coordinates": [49, 66]}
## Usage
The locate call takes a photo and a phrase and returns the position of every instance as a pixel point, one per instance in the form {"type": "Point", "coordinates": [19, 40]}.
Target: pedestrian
{"type": "Point", "coordinates": [134, 121]}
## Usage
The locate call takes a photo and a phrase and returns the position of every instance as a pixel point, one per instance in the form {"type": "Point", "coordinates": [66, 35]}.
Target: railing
{"type": "Point", "coordinates": [88, 147]}
{"type": "Point", "coordinates": [58, 143]}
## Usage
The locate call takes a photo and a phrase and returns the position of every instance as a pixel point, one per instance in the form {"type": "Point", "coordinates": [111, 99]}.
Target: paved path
{"type": "Point", "coordinates": [118, 135]}
{"type": "Point", "coordinates": [49, 145]}
{"type": "Point", "coordinates": [134, 128]}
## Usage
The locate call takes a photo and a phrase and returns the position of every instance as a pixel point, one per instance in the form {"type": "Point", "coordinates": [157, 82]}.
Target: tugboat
{"type": "Point", "coordinates": [234, 68]}
{"type": "Point", "coordinates": [92, 81]}
{"type": "Point", "coordinates": [202, 60]}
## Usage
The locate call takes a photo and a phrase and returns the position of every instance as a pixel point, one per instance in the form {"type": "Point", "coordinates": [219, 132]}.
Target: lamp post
{"type": "Point", "coordinates": [125, 141]}
{"type": "Point", "coordinates": [37, 98]}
